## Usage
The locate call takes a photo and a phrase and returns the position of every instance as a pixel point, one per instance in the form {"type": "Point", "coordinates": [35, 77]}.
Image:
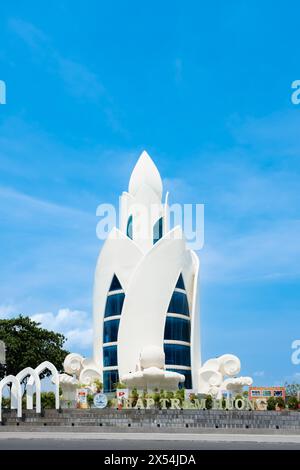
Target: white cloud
{"type": "Point", "coordinates": [74, 324]}
{"type": "Point", "coordinates": [80, 338]}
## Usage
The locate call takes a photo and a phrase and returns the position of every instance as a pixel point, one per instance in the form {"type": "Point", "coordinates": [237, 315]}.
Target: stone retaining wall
{"type": "Point", "coordinates": [155, 419]}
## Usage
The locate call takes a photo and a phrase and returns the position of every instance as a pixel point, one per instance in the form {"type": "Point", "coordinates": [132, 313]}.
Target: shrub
{"type": "Point", "coordinates": [99, 385]}
{"type": "Point", "coordinates": [120, 385]}
{"type": "Point", "coordinates": [208, 402]}
{"type": "Point", "coordinates": [280, 402]}
{"type": "Point", "coordinates": [5, 402]}
{"type": "Point", "coordinates": [134, 396]}
{"type": "Point", "coordinates": [271, 404]}
{"type": "Point", "coordinates": [48, 400]}
{"type": "Point", "coordinates": [179, 394]}
{"type": "Point", "coordinates": [90, 399]}
{"type": "Point", "coordinates": [292, 403]}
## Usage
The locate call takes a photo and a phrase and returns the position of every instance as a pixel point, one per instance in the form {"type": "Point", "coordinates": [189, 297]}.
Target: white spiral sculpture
{"type": "Point", "coordinates": [73, 364]}
{"type": "Point", "coordinates": [212, 374]}
{"type": "Point", "coordinates": [209, 379]}
{"type": "Point", "coordinates": [229, 365]}
{"type": "Point", "coordinates": [88, 375]}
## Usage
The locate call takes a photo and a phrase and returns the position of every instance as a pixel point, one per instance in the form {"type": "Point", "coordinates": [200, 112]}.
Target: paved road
{"type": "Point", "coordinates": [112, 441]}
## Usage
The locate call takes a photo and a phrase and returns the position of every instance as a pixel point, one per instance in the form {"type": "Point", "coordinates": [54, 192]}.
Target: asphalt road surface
{"type": "Point", "coordinates": [110, 441]}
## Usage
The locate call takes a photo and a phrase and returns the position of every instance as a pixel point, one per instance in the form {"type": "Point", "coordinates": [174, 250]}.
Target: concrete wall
{"type": "Point", "coordinates": [156, 420]}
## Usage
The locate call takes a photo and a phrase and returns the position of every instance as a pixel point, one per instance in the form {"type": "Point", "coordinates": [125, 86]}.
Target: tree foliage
{"type": "Point", "coordinates": [271, 404]}
{"type": "Point", "coordinates": [292, 389]}
{"type": "Point", "coordinates": [27, 345]}
{"type": "Point", "coordinates": [292, 403]}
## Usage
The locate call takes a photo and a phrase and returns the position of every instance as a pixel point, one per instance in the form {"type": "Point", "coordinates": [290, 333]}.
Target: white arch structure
{"type": "Point", "coordinates": [16, 393]}
{"type": "Point", "coordinates": [28, 371]}
{"type": "Point", "coordinates": [55, 379]}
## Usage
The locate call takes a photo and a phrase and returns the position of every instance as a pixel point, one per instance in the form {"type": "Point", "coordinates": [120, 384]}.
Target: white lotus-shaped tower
{"type": "Point", "coordinates": [145, 307]}
{"type": "Point", "coordinates": [145, 292]}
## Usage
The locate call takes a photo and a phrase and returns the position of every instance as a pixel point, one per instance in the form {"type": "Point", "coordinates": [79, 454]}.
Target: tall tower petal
{"type": "Point", "coordinates": [145, 172]}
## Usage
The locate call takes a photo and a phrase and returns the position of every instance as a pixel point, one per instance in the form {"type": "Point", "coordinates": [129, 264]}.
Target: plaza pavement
{"type": "Point", "coordinates": [135, 441]}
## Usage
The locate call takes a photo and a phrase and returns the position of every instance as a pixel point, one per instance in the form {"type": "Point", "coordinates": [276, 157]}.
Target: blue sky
{"type": "Point", "coordinates": [205, 88]}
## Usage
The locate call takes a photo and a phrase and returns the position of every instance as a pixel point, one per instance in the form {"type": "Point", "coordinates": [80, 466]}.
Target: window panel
{"type": "Point", "coordinates": [110, 331]}
{"type": "Point", "coordinates": [114, 304]}
{"type": "Point", "coordinates": [157, 230]}
{"type": "Point", "coordinates": [110, 378]}
{"type": "Point", "coordinates": [180, 283]}
{"type": "Point", "coordinates": [110, 356]}
{"type": "Point", "coordinates": [177, 354]}
{"type": "Point", "coordinates": [129, 227]}
{"type": "Point", "coordinates": [177, 329]}
{"type": "Point", "coordinates": [115, 284]}
{"type": "Point", "coordinates": [179, 303]}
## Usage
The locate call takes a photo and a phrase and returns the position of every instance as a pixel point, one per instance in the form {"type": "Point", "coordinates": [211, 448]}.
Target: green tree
{"type": "Point", "coordinates": [27, 345]}
{"type": "Point", "coordinates": [208, 402]}
{"type": "Point", "coordinates": [271, 404]}
{"type": "Point", "coordinates": [292, 403]}
{"type": "Point", "coordinates": [280, 403]}
{"type": "Point", "coordinates": [292, 389]}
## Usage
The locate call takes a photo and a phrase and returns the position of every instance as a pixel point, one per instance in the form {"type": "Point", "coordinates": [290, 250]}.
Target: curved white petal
{"type": "Point", "coordinates": [147, 299]}
{"type": "Point", "coordinates": [119, 256]}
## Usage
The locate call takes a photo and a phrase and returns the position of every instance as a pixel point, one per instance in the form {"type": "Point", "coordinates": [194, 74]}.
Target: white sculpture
{"type": "Point", "coordinates": [34, 380]}
{"type": "Point", "coordinates": [151, 374]}
{"type": "Point", "coordinates": [79, 371]}
{"type": "Point", "coordinates": [147, 259]}
{"type": "Point", "coordinates": [15, 394]}
{"type": "Point", "coordinates": [212, 374]}
{"type": "Point", "coordinates": [55, 379]}
{"type": "Point", "coordinates": [28, 371]}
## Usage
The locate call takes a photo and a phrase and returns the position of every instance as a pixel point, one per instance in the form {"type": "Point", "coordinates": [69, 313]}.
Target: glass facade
{"type": "Point", "coordinates": [179, 303]}
{"type": "Point", "coordinates": [110, 331]}
{"type": "Point", "coordinates": [114, 304]}
{"type": "Point", "coordinates": [177, 354]}
{"type": "Point", "coordinates": [129, 230]}
{"type": "Point", "coordinates": [110, 378]}
{"type": "Point", "coordinates": [180, 283]}
{"type": "Point", "coordinates": [110, 356]}
{"type": "Point", "coordinates": [157, 230]}
{"type": "Point", "coordinates": [188, 378]}
{"type": "Point", "coordinates": [115, 284]}
{"type": "Point", "coordinates": [177, 329]}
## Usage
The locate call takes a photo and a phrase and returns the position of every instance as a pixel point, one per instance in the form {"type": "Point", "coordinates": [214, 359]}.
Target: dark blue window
{"type": "Point", "coordinates": [188, 378]}
{"type": "Point", "coordinates": [110, 356]}
{"type": "Point", "coordinates": [110, 331]}
{"type": "Point", "coordinates": [179, 303]}
{"type": "Point", "coordinates": [129, 227]}
{"type": "Point", "coordinates": [115, 284]}
{"type": "Point", "coordinates": [177, 329]}
{"type": "Point", "coordinates": [114, 304]}
{"type": "Point", "coordinates": [177, 354]}
{"type": "Point", "coordinates": [180, 283]}
{"type": "Point", "coordinates": [110, 379]}
{"type": "Point", "coordinates": [157, 230]}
